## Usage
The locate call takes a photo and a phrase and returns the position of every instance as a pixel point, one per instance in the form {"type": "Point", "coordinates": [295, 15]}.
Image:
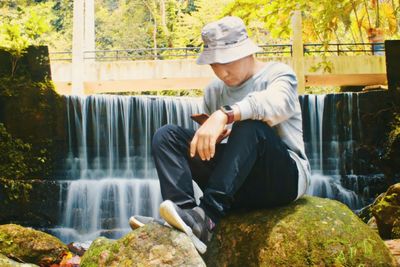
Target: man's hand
{"type": "Point", "coordinates": [205, 139]}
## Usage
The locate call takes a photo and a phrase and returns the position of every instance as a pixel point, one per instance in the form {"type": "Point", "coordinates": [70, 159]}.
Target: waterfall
{"type": "Point", "coordinates": [111, 175]}
{"type": "Point", "coordinates": [109, 166]}
{"type": "Point", "coordinates": [329, 136]}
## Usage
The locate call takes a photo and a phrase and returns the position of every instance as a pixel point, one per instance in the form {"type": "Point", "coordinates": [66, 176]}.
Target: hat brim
{"type": "Point", "coordinates": [225, 55]}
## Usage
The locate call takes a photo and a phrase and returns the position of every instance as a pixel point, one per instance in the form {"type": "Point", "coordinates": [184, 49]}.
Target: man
{"type": "Point", "coordinates": [261, 164]}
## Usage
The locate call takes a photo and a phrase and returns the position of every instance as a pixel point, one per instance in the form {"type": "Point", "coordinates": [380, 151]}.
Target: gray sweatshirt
{"type": "Point", "coordinates": [269, 95]}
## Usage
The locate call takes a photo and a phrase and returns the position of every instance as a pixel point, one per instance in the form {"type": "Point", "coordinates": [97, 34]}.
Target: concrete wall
{"type": "Point", "coordinates": [122, 76]}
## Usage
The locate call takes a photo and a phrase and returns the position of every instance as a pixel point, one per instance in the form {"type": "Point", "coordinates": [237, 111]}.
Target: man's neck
{"type": "Point", "coordinates": [257, 66]}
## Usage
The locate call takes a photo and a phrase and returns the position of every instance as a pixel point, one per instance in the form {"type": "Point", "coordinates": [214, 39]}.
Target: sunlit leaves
{"type": "Point", "coordinates": [188, 25]}
{"type": "Point", "coordinates": [22, 27]}
{"type": "Point", "coordinates": [325, 21]}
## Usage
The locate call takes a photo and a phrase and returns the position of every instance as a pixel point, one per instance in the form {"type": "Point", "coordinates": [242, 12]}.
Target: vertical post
{"type": "Point", "coordinates": [90, 29]}
{"type": "Point", "coordinates": [77, 48]}
{"type": "Point", "coordinates": [297, 46]}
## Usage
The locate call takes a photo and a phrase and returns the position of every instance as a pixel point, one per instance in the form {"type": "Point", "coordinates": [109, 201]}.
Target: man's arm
{"type": "Point", "coordinates": [275, 104]}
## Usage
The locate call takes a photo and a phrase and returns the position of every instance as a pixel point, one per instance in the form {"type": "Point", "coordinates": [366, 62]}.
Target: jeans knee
{"type": "Point", "coordinates": [163, 135]}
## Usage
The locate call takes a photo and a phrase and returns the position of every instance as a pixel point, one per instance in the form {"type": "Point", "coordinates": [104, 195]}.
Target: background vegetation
{"type": "Point", "coordinates": [123, 24]}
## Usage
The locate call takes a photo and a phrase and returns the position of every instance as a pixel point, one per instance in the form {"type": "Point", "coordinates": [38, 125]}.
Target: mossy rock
{"type": "Point", "coordinates": [31, 246]}
{"type": "Point", "coordinates": [309, 232]}
{"type": "Point", "coordinates": [151, 245]}
{"type": "Point", "coordinates": [6, 262]}
{"type": "Point", "coordinates": [396, 229]}
{"type": "Point", "coordinates": [386, 211]}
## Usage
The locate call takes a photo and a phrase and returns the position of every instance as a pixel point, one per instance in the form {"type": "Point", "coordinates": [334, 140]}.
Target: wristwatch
{"type": "Point", "coordinates": [228, 110]}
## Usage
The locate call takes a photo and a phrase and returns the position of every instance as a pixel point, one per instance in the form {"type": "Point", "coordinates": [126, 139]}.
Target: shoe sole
{"type": "Point", "coordinates": [135, 224]}
{"type": "Point", "coordinates": [168, 212]}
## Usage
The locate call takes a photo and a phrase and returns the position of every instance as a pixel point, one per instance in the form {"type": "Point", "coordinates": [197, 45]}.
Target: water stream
{"type": "Point", "coordinates": [330, 136]}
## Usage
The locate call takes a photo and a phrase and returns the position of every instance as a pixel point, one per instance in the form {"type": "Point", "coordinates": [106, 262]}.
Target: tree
{"type": "Point", "coordinates": [127, 25]}
{"type": "Point", "coordinates": [187, 31]}
{"type": "Point", "coordinates": [61, 32]}
{"type": "Point", "coordinates": [21, 28]}
{"type": "Point", "coordinates": [324, 21]}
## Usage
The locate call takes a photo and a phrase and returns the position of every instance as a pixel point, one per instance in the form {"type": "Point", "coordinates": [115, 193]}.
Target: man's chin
{"type": "Point", "coordinates": [231, 84]}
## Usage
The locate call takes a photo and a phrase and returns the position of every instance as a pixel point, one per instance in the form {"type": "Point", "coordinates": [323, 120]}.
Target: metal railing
{"type": "Point", "coordinates": [61, 56]}
{"type": "Point", "coordinates": [273, 50]}
{"type": "Point", "coordinates": [350, 49]}
{"type": "Point", "coordinates": [143, 54]}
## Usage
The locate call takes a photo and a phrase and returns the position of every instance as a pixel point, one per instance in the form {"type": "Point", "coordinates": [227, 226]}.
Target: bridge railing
{"type": "Point", "coordinates": [271, 50]}
{"type": "Point", "coordinates": [349, 49]}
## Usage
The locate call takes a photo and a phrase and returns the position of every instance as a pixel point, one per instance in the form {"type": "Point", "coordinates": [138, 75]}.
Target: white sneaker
{"type": "Point", "coordinates": [138, 221]}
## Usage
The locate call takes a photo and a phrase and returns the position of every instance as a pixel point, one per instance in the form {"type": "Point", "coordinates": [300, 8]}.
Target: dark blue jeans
{"type": "Point", "coordinates": [252, 170]}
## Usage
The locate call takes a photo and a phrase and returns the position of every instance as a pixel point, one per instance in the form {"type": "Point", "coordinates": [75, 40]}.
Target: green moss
{"type": "Point", "coordinates": [152, 245]}
{"type": "Point", "coordinates": [98, 252]}
{"type": "Point", "coordinates": [30, 245]}
{"type": "Point", "coordinates": [309, 232]}
{"type": "Point", "coordinates": [386, 211]}
{"type": "Point", "coordinates": [6, 262]}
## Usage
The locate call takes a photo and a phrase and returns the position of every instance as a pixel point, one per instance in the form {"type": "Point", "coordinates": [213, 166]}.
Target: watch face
{"type": "Point", "coordinates": [227, 108]}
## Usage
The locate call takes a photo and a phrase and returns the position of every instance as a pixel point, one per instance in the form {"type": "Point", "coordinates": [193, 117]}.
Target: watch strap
{"type": "Point", "coordinates": [228, 110]}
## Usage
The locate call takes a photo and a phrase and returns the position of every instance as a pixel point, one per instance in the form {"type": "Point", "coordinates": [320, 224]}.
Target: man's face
{"type": "Point", "coordinates": [233, 73]}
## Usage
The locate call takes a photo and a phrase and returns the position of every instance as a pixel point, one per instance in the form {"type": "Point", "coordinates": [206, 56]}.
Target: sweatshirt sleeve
{"type": "Point", "coordinates": [274, 104]}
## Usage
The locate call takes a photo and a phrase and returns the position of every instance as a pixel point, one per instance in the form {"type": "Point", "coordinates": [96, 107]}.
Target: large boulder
{"type": "Point", "coordinates": [151, 245]}
{"type": "Point", "coordinates": [6, 262]}
{"type": "Point", "coordinates": [31, 246]}
{"type": "Point", "coordinates": [394, 247]}
{"type": "Point", "coordinates": [309, 232]}
{"type": "Point", "coordinates": [386, 210]}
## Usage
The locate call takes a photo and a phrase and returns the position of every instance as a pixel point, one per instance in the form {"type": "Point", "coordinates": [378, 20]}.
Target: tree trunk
{"type": "Point", "coordinates": [154, 27]}
{"type": "Point", "coordinates": [155, 37]}
{"type": "Point", "coordinates": [14, 62]}
{"type": "Point", "coordinates": [358, 21]}
{"type": "Point", "coordinates": [163, 15]}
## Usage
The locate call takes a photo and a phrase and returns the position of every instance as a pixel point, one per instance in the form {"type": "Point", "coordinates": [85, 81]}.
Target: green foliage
{"type": "Point", "coordinates": [132, 24]}
{"type": "Point", "coordinates": [13, 155]}
{"type": "Point", "coordinates": [190, 93]}
{"type": "Point", "coordinates": [20, 160]}
{"type": "Point", "coordinates": [18, 86]}
{"type": "Point", "coordinates": [393, 141]}
{"type": "Point", "coordinates": [324, 21]}
{"type": "Point", "coordinates": [322, 89]}
{"type": "Point", "coordinates": [44, 21]}
{"type": "Point", "coordinates": [145, 24]}
{"type": "Point", "coordinates": [30, 107]}
{"type": "Point", "coordinates": [61, 23]}
{"type": "Point", "coordinates": [16, 190]}
{"type": "Point", "coordinates": [23, 27]}
{"type": "Point", "coordinates": [187, 31]}
{"type": "Point", "coordinates": [171, 92]}
{"type": "Point", "coordinates": [126, 25]}
{"type": "Point", "coordinates": [20, 28]}
{"type": "Point", "coordinates": [325, 66]}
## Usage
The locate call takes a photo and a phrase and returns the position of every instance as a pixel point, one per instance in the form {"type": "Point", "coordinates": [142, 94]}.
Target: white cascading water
{"type": "Point", "coordinates": [109, 161]}
{"type": "Point", "coordinates": [326, 152]}
{"type": "Point", "coordinates": [112, 175]}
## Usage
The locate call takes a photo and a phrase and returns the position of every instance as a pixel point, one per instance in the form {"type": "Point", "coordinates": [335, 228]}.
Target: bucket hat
{"type": "Point", "coordinates": [225, 40]}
